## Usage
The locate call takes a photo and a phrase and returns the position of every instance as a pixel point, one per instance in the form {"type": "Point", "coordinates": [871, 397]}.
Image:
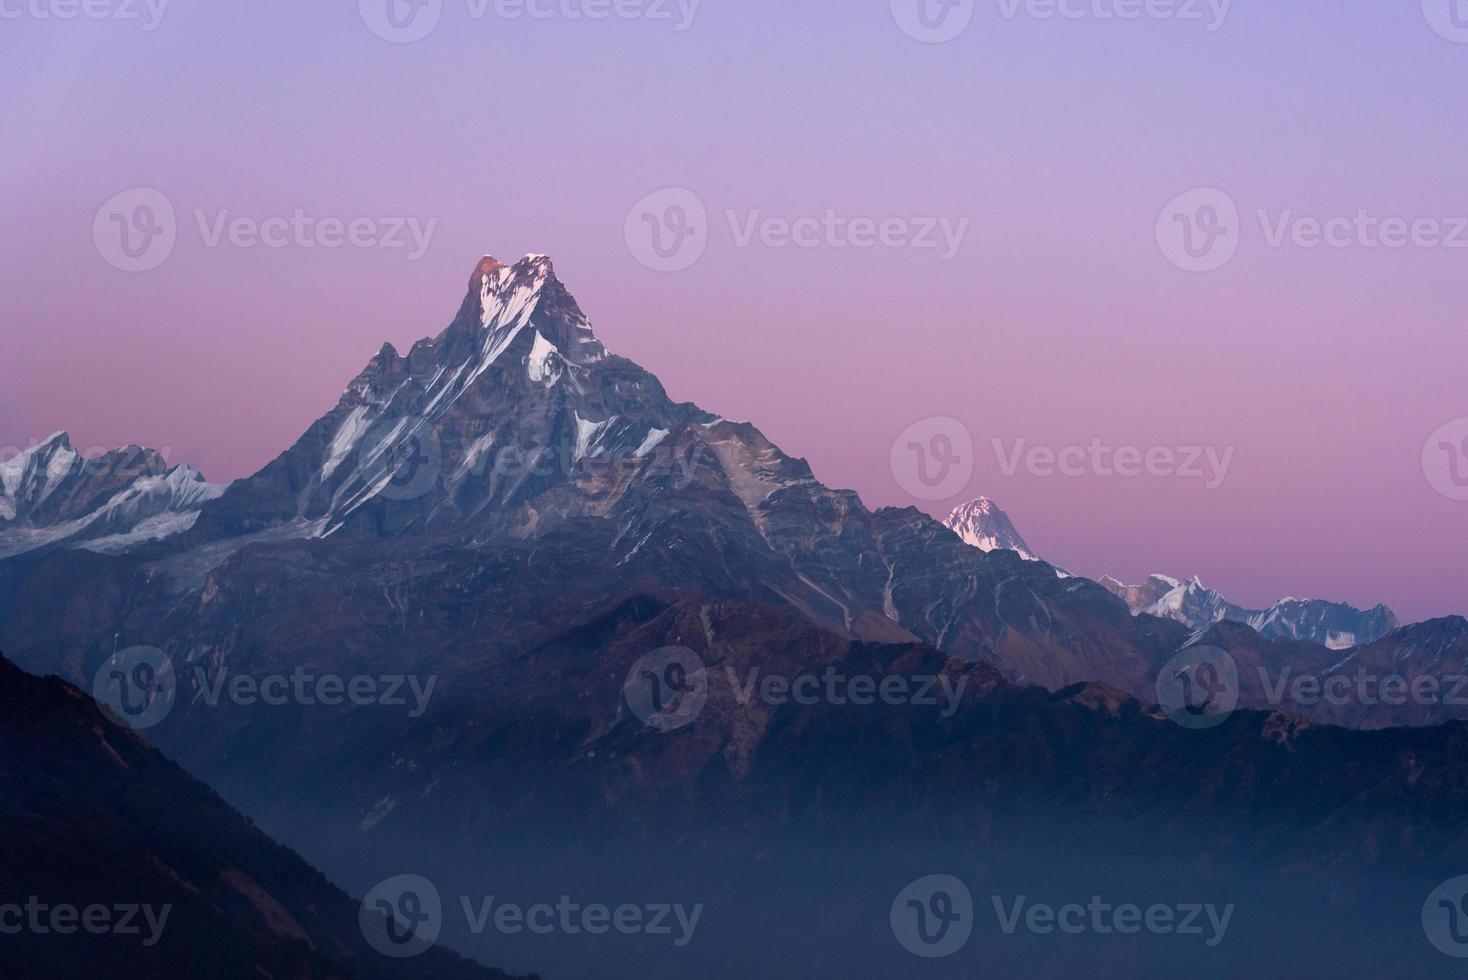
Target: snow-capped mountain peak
{"type": "Point", "coordinates": [507, 399]}
{"type": "Point", "coordinates": [981, 523]}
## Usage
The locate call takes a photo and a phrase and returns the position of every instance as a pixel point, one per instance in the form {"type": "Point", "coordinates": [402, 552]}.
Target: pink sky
{"type": "Point", "coordinates": [1059, 321]}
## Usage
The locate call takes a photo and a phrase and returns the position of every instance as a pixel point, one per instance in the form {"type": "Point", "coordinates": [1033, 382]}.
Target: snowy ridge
{"type": "Point", "coordinates": [1334, 625]}
{"type": "Point", "coordinates": [54, 496]}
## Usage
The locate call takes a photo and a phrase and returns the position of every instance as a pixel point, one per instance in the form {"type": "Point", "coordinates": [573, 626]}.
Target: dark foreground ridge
{"type": "Point", "coordinates": [173, 881]}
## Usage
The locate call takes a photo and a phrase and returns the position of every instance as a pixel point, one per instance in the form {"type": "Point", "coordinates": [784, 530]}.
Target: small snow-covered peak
{"type": "Point", "coordinates": [982, 524]}
{"type": "Point", "coordinates": [56, 440]}
{"type": "Point", "coordinates": [47, 448]}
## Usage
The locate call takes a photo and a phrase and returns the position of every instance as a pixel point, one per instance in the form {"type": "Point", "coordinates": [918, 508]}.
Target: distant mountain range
{"type": "Point", "coordinates": [1333, 625]}
{"type": "Point", "coordinates": [512, 510]}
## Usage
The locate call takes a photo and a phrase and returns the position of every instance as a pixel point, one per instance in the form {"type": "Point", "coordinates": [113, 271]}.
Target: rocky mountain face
{"type": "Point", "coordinates": [511, 517]}
{"type": "Point", "coordinates": [52, 496]}
{"type": "Point", "coordinates": [981, 523]}
{"type": "Point", "coordinates": [95, 819]}
{"type": "Point", "coordinates": [516, 475]}
{"type": "Point", "coordinates": [1333, 625]}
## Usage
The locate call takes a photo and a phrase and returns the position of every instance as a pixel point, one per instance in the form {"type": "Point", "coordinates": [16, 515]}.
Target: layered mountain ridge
{"type": "Point", "coordinates": [540, 476]}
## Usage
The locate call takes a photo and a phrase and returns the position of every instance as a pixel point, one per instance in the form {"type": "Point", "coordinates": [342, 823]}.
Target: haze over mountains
{"type": "Point", "coordinates": [520, 516]}
{"type": "Point", "coordinates": [96, 819]}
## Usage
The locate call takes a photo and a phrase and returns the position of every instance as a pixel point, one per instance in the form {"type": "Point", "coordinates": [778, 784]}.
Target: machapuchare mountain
{"type": "Point", "coordinates": [515, 475]}
{"type": "Point", "coordinates": [518, 516]}
{"type": "Point", "coordinates": [1333, 625]}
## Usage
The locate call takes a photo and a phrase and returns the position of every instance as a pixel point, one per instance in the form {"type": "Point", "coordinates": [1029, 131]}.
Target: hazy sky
{"type": "Point", "coordinates": [1048, 147]}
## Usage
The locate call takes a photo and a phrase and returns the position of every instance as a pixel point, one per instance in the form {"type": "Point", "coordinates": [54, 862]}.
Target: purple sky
{"type": "Point", "coordinates": [1060, 320]}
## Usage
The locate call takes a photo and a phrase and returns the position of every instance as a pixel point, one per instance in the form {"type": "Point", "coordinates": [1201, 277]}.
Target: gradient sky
{"type": "Point", "coordinates": [1060, 320]}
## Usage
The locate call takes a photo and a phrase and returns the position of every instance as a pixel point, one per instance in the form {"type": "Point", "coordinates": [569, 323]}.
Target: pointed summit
{"type": "Point", "coordinates": [486, 266]}
{"type": "Point", "coordinates": [982, 524]}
